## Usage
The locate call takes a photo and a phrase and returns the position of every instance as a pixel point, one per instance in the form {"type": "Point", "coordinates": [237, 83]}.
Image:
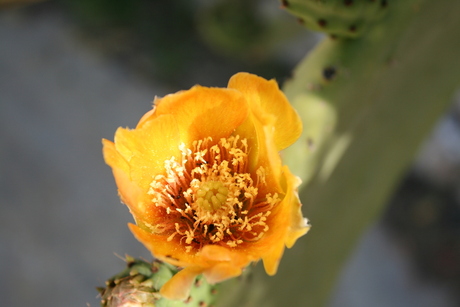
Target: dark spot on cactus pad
{"type": "Point", "coordinates": [352, 28]}
{"type": "Point", "coordinates": [188, 300]}
{"type": "Point", "coordinates": [214, 291]}
{"type": "Point", "coordinates": [284, 3]}
{"type": "Point", "coordinates": [198, 282]}
{"type": "Point", "coordinates": [310, 143]}
{"type": "Point", "coordinates": [329, 73]}
{"type": "Point", "coordinates": [384, 3]}
{"type": "Point", "coordinates": [322, 23]}
{"type": "Point", "coordinates": [333, 36]}
{"type": "Point", "coordinates": [348, 2]}
{"type": "Point", "coordinates": [202, 304]}
{"type": "Point", "coordinates": [301, 21]}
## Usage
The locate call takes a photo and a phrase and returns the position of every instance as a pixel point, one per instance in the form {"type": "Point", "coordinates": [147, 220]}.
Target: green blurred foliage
{"type": "Point", "coordinates": [170, 40]}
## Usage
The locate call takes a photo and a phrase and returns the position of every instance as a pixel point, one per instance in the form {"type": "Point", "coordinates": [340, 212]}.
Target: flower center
{"type": "Point", "coordinates": [211, 195]}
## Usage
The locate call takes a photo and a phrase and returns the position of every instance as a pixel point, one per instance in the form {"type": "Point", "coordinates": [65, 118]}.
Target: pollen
{"type": "Point", "coordinates": [209, 196]}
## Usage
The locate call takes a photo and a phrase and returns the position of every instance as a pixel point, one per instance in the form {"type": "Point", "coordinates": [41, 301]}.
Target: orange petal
{"type": "Point", "coordinates": [130, 193]}
{"type": "Point", "coordinates": [223, 262]}
{"type": "Point", "coordinates": [272, 259]}
{"type": "Point", "coordinates": [147, 148]}
{"type": "Point", "coordinates": [299, 225]}
{"type": "Point", "coordinates": [222, 271]}
{"type": "Point", "coordinates": [146, 118]}
{"type": "Point", "coordinates": [112, 157]}
{"type": "Point", "coordinates": [162, 249]}
{"type": "Point", "coordinates": [203, 112]}
{"type": "Point", "coordinates": [265, 95]}
{"type": "Point", "coordinates": [178, 287]}
{"type": "Point", "coordinates": [273, 243]}
{"type": "Point", "coordinates": [286, 223]}
{"type": "Point", "coordinates": [263, 152]}
{"type": "Point", "coordinates": [215, 253]}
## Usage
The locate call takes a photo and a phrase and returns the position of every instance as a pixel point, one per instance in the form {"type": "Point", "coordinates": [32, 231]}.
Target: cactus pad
{"type": "Point", "coordinates": [338, 18]}
{"type": "Point", "coordinates": [139, 284]}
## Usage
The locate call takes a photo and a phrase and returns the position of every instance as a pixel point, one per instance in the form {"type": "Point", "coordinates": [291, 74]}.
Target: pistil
{"type": "Point", "coordinates": [211, 195]}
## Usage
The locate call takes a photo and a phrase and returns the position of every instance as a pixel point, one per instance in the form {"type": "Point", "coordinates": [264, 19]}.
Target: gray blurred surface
{"type": "Point", "coordinates": [382, 270]}
{"type": "Point", "coordinates": [380, 274]}
{"type": "Point", "coordinates": [60, 219]}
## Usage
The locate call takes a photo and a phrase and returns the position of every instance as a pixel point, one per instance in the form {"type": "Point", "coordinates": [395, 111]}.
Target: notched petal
{"type": "Point", "coordinates": [202, 112]}
{"type": "Point", "coordinates": [265, 97]}
{"type": "Point", "coordinates": [146, 149]}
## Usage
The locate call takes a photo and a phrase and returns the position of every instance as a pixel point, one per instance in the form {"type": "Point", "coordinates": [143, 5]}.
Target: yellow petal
{"type": "Point", "coordinates": [215, 253]}
{"type": "Point", "coordinates": [112, 157]}
{"type": "Point", "coordinates": [273, 244]}
{"type": "Point", "coordinates": [286, 223]}
{"type": "Point", "coordinates": [272, 259]}
{"type": "Point", "coordinates": [265, 95]}
{"type": "Point", "coordinates": [147, 148]}
{"type": "Point", "coordinates": [178, 287]}
{"type": "Point", "coordinates": [299, 225]}
{"type": "Point", "coordinates": [263, 151]}
{"type": "Point", "coordinates": [161, 248]}
{"type": "Point", "coordinates": [130, 193]}
{"type": "Point", "coordinates": [203, 112]}
{"type": "Point", "coordinates": [222, 271]}
{"type": "Point", "coordinates": [146, 118]}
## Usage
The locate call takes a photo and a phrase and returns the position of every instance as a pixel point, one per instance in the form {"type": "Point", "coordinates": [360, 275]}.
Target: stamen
{"type": "Point", "coordinates": [209, 196]}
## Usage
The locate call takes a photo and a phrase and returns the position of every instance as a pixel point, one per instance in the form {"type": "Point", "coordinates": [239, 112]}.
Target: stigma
{"type": "Point", "coordinates": [210, 196]}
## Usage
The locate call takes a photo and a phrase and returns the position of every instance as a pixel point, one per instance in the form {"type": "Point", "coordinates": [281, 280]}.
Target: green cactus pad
{"type": "Point", "coordinates": [338, 18]}
{"type": "Point", "coordinates": [140, 282]}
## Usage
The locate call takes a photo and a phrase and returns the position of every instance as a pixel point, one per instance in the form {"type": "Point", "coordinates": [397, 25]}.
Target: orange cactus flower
{"type": "Point", "coordinates": [203, 178]}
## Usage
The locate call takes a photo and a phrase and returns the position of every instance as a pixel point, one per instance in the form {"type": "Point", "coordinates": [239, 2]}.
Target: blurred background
{"type": "Point", "coordinates": [71, 72]}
